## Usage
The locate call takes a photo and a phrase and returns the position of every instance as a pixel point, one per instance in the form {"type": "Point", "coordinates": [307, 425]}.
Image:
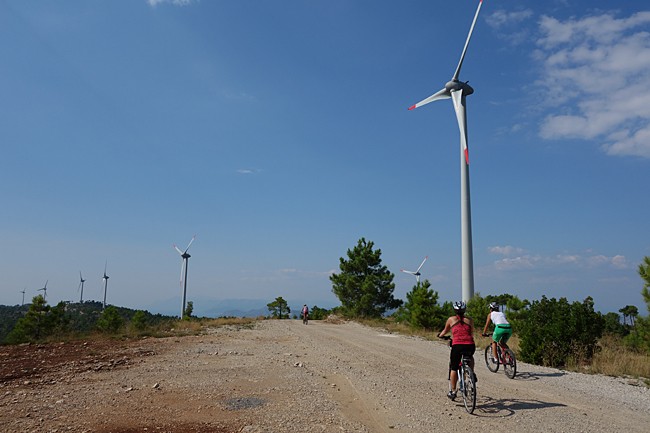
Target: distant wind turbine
{"type": "Point", "coordinates": [81, 286]}
{"type": "Point", "coordinates": [23, 292]}
{"type": "Point", "coordinates": [44, 290]}
{"type": "Point", "coordinates": [417, 272]}
{"type": "Point", "coordinates": [458, 91]}
{"type": "Point", "coordinates": [105, 279]}
{"type": "Point", "coordinates": [183, 282]}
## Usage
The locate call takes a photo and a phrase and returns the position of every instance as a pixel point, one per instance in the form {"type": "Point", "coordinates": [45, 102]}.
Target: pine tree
{"type": "Point", "coordinates": [364, 286]}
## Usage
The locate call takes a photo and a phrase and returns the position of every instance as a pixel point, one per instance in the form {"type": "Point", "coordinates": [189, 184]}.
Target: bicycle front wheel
{"type": "Point", "coordinates": [510, 365]}
{"type": "Point", "coordinates": [491, 365]}
{"type": "Point", "coordinates": [469, 390]}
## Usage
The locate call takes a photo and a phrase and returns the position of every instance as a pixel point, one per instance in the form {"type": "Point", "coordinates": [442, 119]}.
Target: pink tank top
{"type": "Point", "coordinates": [461, 333]}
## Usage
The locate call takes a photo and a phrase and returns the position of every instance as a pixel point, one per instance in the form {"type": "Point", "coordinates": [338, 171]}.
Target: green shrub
{"type": "Point", "coordinates": [421, 309]}
{"type": "Point", "coordinates": [557, 333]}
{"type": "Point", "coordinates": [139, 321]}
{"type": "Point", "coordinates": [110, 320]}
{"type": "Point", "coordinates": [41, 321]}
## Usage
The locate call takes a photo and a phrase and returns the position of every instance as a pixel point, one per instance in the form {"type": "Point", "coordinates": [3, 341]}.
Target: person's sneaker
{"type": "Point", "coordinates": [475, 378]}
{"type": "Point", "coordinates": [494, 360]}
{"type": "Point", "coordinates": [451, 395]}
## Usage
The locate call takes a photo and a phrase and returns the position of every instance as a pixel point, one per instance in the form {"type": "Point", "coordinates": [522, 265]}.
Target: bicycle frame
{"type": "Point", "coordinates": [505, 356]}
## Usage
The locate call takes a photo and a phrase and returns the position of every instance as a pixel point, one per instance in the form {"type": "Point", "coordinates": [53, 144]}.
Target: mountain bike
{"type": "Point", "coordinates": [305, 318]}
{"type": "Point", "coordinates": [466, 380]}
{"type": "Point", "coordinates": [505, 356]}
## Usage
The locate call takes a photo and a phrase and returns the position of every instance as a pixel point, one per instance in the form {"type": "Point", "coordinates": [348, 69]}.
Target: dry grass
{"type": "Point", "coordinates": [197, 326]}
{"type": "Point", "coordinates": [615, 359]}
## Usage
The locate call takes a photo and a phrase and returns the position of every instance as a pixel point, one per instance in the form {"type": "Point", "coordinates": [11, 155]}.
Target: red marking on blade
{"type": "Point", "coordinates": [412, 107]}
{"type": "Point", "coordinates": [466, 157]}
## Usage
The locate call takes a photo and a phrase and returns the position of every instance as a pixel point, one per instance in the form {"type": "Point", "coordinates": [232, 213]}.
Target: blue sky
{"type": "Point", "coordinates": [278, 133]}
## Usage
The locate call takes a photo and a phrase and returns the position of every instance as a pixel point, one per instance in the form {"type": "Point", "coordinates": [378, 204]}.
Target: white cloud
{"type": "Point", "coordinates": [505, 250]}
{"type": "Point", "coordinates": [596, 77]}
{"type": "Point", "coordinates": [557, 262]}
{"type": "Point", "coordinates": [502, 18]}
{"type": "Point", "coordinates": [154, 3]}
{"type": "Point", "coordinates": [516, 263]}
{"type": "Point", "coordinates": [248, 170]}
{"type": "Point", "coordinates": [508, 25]}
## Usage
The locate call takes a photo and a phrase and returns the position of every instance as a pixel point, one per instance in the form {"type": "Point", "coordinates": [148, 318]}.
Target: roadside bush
{"type": "Point", "coordinates": [477, 309]}
{"type": "Point", "coordinates": [421, 309]}
{"type": "Point", "coordinates": [139, 321]}
{"type": "Point", "coordinates": [40, 322]}
{"type": "Point", "coordinates": [557, 333]}
{"type": "Point", "coordinates": [110, 320]}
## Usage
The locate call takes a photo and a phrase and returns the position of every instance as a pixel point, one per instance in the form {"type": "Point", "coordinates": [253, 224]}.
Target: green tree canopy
{"type": "Point", "coordinates": [421, 308]}
{"type": "Point", "coordinates": [39, 322]}
{"type": "Point", "coordinates": [639, 337]}
{"type": "Point", "coordinates": [189, 309]}
{"type": "Point", "coordinates": [317, 313]}
{"type": "Point", "coordinates": [644, 273]}
{"type": "Point", "coordinates": [364, 286]}
{"type": "Point", "coordinates": [557, 333]}
{"type": "Point", "coordinates": [110, 320]}
{"type": "Point", "coordinates": [279, 308]}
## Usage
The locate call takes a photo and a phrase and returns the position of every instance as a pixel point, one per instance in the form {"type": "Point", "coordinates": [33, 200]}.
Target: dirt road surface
{"type": "Point", "coordinates": [283, 376]}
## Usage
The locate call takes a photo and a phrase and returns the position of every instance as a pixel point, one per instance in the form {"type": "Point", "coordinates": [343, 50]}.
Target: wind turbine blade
{"type": "Point", "coordinates": [408, 272]}
{"type": "Point", "coordinates": [420, 267]}
{"type": "Point", "coordinates": [441, 94]}
{"type": "Point", "coordinates": [188, 245]}
{"type": "Point", "coordinates": [178, 249]}
{"type": "Point", "coordinates": [469, 36]}
{"type": "Point", "coordinates": [459, 106]}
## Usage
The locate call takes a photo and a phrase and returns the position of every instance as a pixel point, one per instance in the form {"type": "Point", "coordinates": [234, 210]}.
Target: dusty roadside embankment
{"type": "Point", "coordinates": [283, 376]}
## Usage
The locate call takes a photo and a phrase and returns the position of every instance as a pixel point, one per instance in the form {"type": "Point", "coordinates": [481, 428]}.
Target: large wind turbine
{"type": "Point", "coordinates": [183, 282]}
{"type": "Point", "coordinates": [23, 292]}
{"type": "Point", "coordinates": [105, 279]}
{"type": "Point", "coordinates": [44, 289]}
{"type": "Point", "coordinates": [81, 286]}
{"type": "Point", "coordinates": [417, 272]}
{"type": "Point", "coordinates": [458, 91]}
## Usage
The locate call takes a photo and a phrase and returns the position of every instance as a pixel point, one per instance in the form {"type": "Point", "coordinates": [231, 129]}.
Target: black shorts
{"type": "Point", "coordinates": [457, 351]}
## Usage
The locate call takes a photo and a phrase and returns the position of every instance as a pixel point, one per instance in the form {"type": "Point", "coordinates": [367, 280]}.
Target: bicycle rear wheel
{"type": "Point", "coordinates": [469, 390]}
{"type": "Point", "coordinates": [510, 365]}
{"type": "Point", "coordinates": [491, 365]}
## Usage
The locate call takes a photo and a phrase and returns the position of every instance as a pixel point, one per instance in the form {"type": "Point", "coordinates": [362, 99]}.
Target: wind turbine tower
{"type": "Point", "coordinates": [458, 91]}
{"type": "Point", "coordinates": [105, 279]}
{"type": "Point", "coordinates": [417, 272]}
{"type": "Point", "coordinates": [81, 286]}
{"type": "Point", "coordinates": [23, 292]}
{"type": "Point", "coordinates": [183, 281]}
{"type": "Point", "coordinates": [44, 290]}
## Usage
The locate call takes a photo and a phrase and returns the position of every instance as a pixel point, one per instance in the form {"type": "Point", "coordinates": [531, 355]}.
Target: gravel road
{"type": "Point", "coordinates": [283, 376]}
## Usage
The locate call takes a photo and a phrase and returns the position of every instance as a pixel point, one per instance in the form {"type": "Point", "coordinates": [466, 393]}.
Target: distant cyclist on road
{"type": "Point", "coordinates": [305, 313]}
{"type": "Point", "coordinates": [461, 328]}
{"type": "Point", "coordinates": [502, 328]}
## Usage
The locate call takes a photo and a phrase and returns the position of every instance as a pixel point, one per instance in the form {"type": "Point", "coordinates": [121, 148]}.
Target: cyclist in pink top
{"type": "Point", "coordinates": [462, 330]}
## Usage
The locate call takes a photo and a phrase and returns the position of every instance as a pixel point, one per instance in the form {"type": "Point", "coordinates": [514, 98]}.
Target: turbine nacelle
{"type": "Point", "coordinates": [455, 85]}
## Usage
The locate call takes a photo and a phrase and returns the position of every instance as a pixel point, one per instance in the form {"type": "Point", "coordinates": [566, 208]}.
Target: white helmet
{"type": "Point", "coordinates": [494, 306]}
{"type": "Point", "coordinates": [459, 307]}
